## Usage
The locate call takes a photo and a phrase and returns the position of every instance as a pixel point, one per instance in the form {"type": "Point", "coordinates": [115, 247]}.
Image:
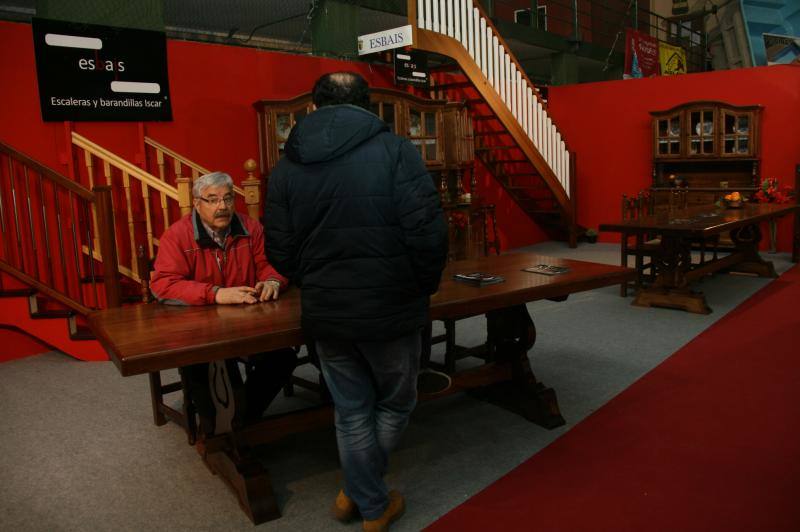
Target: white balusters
{"type": "Point", "coordinates": [470, 31]}
{"type": "Point", "coordinates": [483, 47]}
{"type": "Point", "coordinates": [450, 32]}
{"type": "Point", "coordinates": [496, 58]}
{"type": "Point", "coordinates": [443, 16]}
{"type": "Point", "coordinates": [490, 55]}
{"type": "Point", "coordinates": [465, 18]}
{"type": "Point", "coordinates": [457, 20]}
{"type": "Point", "coordinates": [420, 13]}
{"type": "Point", "coordinates": [428, 18]}
{"type": "Point", "coordinates": [476, 30]}
{"type": "Point", "coordinates": [435, 13]}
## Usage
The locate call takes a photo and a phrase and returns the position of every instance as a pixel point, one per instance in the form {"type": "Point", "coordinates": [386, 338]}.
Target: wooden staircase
{"type": "Point", "coordinates": [516, 140]}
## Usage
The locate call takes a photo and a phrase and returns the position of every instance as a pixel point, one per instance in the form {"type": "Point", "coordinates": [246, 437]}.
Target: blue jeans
{"type": "Point", "coordinates": [374, 390]}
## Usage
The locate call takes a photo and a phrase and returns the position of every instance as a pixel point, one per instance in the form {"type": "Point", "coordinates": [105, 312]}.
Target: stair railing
{"type": "Point", "coordinates": [45, 221]}
{"type": "Point", "coordinates": [461, 30]}
{"type": "Point", "coordinates": [148, 208]}
{"type": "Point", "coordinates": [171, 165]}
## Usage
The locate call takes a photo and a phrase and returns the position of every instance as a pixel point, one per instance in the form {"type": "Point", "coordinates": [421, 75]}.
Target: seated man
{"type": "Point", "coordinates": [214, 255]}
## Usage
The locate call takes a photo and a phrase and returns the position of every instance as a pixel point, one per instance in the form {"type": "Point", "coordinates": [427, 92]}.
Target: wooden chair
{"type": "Point", "coordinates": [640, 246]}
{"type": "Point", "coordinates": [186, 417]}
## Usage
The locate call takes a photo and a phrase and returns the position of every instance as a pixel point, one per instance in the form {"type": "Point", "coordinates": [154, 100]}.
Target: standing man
{"type": "Point", "coordinates": [354, 219]}
{"type": "Point", "coordinates": [215, 256]}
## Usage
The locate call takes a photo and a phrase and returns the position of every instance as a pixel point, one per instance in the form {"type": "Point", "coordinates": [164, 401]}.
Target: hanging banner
{"type": "Point", "coordinates": [672, 59]}
{"type": "Point", "coordinates": [100, 73]}
{"type": "Point", "coordinates": [641, 55]}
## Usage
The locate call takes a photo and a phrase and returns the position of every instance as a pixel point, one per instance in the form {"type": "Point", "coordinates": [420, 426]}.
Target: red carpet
{"type": "Point", "coordinates": [709, 440]}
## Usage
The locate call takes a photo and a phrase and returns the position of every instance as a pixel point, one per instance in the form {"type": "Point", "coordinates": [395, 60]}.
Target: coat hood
{"type": "Point", "coordinates": [330, 132]}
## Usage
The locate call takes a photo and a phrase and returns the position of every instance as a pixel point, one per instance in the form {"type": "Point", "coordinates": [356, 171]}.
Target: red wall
{"type": "Point", "coordinates": [608, 125]}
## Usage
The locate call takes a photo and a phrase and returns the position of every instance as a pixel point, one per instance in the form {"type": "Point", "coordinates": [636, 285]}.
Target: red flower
{"type": "Point", "coordinates": [771, 192]}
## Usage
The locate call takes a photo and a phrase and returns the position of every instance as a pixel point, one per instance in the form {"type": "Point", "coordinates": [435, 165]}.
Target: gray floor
{"type": "Point", "coordinates": [79, 451]}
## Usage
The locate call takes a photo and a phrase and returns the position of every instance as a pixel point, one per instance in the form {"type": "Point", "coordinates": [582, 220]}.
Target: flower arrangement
{"type": "Point", "coordinates": [771, 192]}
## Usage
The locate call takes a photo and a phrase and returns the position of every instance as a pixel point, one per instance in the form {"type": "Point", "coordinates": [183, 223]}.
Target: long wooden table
{"type": "Point", "coordinates": [149, 338]}
{"type": "Point", "coordinates": [679, 228]}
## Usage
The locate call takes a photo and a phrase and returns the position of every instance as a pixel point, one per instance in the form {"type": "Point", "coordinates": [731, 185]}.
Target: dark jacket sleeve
{"type": "Point", "coordinates": [421, 218]}
{"type": "Point", "coordinates": [280, 236]}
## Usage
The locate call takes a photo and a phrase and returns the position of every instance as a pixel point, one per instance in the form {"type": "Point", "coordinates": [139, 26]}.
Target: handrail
{"type": "Point", "coordinates": [183, 160]}
{"type": "Point", "coordinates": [43, 288]}
{"type": "Point", "coordinates": [45, 171]}
{"type": "Point", "coordinates": [133, 171]}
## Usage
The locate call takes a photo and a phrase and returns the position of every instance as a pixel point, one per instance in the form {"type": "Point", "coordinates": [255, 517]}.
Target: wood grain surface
{"type": "Point", "coordinates": [153, 337]}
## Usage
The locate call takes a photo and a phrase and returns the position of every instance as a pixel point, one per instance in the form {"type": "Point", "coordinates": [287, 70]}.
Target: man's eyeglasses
{"type": "Point", "coordinates": [213, 200]}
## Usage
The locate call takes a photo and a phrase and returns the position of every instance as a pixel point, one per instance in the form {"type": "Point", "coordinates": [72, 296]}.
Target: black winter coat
{"type": "Point", "coordinates": [353, 218]}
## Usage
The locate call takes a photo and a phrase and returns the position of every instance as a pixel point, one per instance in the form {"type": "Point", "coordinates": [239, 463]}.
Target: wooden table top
{"type": "Point", "coordinates": [702, 220]}
{"type": "Point", "coordinates": [145, 338]}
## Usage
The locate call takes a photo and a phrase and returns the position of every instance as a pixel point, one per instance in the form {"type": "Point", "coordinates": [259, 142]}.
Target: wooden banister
{"type": "Point", "coordinates": [48, 173]}
{"type": "Point", "coordinates": [197, 170]}
{"type": "Point", "coordinates": [108, 248]}
{"type": "Point", "coordinates": [124, 166]}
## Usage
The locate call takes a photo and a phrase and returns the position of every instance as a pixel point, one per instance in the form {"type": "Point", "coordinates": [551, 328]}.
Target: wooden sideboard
{"type": "Point", "coordinates": [708, 148]}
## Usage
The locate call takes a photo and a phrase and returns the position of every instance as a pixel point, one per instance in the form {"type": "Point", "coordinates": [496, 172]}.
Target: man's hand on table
{"type": "Point", "coordinates": [236, 294]}
{"type": "Point", "coordinates": [267, 290]}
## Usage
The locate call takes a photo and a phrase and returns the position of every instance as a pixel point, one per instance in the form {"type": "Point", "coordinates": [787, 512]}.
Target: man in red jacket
{"type": "Point", "coordinates": [216, 256]}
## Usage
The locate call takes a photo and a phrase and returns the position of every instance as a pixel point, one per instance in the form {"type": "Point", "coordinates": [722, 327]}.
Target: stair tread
{"type": "Point", "coordinates": [51, 314]}
{"type": "Point", "coordinates": [83, 333]}
{"type": "Point", "coordinates": [17, 292]}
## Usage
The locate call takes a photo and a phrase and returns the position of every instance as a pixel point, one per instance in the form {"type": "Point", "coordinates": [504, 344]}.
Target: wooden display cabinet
{"type": "Point", "coordinates": [708, 148]}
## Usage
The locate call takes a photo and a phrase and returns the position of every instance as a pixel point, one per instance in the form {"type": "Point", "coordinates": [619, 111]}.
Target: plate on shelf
{"type": "Point", "coordinates": [708, 127]}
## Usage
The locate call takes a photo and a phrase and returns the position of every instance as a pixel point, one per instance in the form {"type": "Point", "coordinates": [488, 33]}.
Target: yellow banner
{"type": "Point", "coordinates": [672, 59]}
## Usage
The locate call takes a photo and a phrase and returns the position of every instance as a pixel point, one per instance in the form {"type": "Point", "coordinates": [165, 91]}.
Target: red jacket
{"type": "Point", "coordinates": [190, 264]}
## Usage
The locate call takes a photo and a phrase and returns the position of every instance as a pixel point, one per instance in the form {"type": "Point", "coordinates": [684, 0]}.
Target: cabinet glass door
{"type": "Point", "coordinates": [423, 133]}
{"type": "Point", "coordinates": [284, 122]}
{"type": "Point", "coordinates": [701, 133]}
{"type": "Point", "coordinates": [737, 134]}
{"type": "Point", "coordinates": [668, 136]}
{"type": "Point", "coordinates": [387, 112]}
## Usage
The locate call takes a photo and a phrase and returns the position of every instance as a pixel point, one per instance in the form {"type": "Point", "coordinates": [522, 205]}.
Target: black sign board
{"type": "Point", "coordinates": [100, 73]}
{"type": "Point", "coordinates": [410, 68]}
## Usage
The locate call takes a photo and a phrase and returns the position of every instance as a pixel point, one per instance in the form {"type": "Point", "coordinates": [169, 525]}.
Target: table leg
{"type": "Point", "coordinates": [671, 287]}
{"type": "Point", "coordinates": [746, 240]}
{"type": "Point", "coordinates": [243, 474]}
{"type": "Point", "coordinates": [511, 333]}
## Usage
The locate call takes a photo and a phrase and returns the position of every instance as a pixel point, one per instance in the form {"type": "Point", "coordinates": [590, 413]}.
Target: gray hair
{"type": "Point", "coordinates": [214, 179]}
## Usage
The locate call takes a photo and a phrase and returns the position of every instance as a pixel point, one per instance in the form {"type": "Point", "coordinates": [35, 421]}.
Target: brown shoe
{"type": "Point", "coordinates": [344, 509]}
{"type": "Point", "coordinates": [393, 512]}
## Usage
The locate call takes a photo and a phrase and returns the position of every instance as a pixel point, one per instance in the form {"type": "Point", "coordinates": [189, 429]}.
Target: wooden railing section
{"type": "Point", "coordinates": [45, 221]}
{"type": "Point", "coordinates": [168, 164]}
{"type": "Point", "coordinates": [143, 204]}
{"type": "Point", "coordinates": [461, 30]}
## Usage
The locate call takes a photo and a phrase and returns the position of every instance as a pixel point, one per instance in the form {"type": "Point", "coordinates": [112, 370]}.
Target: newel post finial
{"type": "Point", "coordinates": [252, 189]}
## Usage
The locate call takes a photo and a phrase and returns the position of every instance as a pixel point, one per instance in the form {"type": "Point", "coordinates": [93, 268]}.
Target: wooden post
{"type": "Point", "coordinates": [105, 216]}
{"type": "Point", "coordinates": [184, 185]}
{"type": "Point", "coordinates": [252, 190]}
